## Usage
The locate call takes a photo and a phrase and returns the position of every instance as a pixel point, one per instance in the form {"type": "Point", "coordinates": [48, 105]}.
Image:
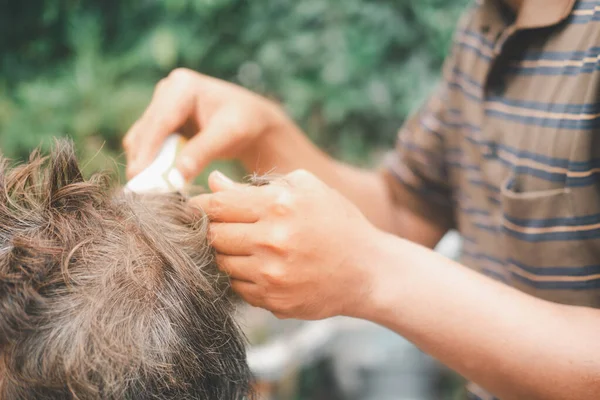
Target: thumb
{"type": "Point", "coordinates": [205, 147]}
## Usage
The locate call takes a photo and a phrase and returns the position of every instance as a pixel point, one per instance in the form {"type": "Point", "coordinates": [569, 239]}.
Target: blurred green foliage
{"type": "Point", "coordinates": [348, 71]}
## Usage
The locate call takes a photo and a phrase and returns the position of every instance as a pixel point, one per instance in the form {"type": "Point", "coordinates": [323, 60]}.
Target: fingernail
{"type": "Point", "coordinates": [220, 176]}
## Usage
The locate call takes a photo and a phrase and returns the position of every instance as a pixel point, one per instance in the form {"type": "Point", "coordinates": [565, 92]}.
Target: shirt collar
{"type": "Point", "coordinates": [542, 13]}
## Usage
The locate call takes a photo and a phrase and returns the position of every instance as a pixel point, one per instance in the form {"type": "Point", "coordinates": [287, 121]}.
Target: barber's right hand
{"type": "Point", "coordinates": [223, 121]}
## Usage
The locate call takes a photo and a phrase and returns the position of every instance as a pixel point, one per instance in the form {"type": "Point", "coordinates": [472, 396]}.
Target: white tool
{"type": "Point", "coordinates": [161, 176]}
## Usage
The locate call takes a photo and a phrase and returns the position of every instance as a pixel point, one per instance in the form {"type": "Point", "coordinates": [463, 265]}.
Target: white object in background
{"type": "Point", "coordinates": [161, 176]}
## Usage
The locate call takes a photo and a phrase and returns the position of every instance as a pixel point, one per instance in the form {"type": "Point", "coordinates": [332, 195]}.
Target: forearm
{"type": "Point", "coordinates": [286, 149]}
{"type": "Point", "coordinates": [514, 345]}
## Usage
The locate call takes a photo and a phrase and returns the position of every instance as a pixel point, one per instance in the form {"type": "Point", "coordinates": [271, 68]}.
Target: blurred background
{"type": "Point", "coordinates": [349, 72]}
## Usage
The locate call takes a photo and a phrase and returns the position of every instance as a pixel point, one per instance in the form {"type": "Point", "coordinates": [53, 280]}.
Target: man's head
{"type": "Point", "coordinates": [109, 295]}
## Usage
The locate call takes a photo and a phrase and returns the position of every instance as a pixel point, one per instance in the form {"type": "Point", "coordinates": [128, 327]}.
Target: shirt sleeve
{"type": "Point", "coordinates": [416, 170]}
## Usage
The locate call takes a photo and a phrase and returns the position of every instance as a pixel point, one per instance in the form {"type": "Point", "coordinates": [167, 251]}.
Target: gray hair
{"type": "Point", "coordinates": [108, 295]}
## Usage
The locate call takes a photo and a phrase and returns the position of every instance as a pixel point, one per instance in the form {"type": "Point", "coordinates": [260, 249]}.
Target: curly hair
{"type": "Point", "coordinates": [109, 295]}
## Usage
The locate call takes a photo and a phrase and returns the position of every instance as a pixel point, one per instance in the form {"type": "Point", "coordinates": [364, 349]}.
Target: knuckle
{"type": "Point", "coordinates": [273, 304]}
{"type": "Point", "coordinates": [182, 81]}
{"type": "Point", "coordinates": [279, 239]}
{"type": "Point", "coordinates": [261, 295]}
{"type": "Point", "coordinates": [285, 202]}
{"type": "Point", "coordinates": [224, 266]}
{"type": "Point", "coordinates": [160, 85]}
{"type": "Point", "coordinates": [300, 174]}
{"type": "Point", "coordinates": [126, 142]}
{"type": "Point", "coordinates": [212, 205]}
{"type": "Point", "coordinates": [164, 122]}
{"type": "Point", "coordinates": [274, 276]}
{"type": "Point", "coordinates": [180, 74]}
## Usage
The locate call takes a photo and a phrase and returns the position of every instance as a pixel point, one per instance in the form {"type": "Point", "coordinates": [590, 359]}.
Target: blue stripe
{"type": "Point", "coordinates": [556, 285]}
{"type": "Point", "coordinates": [474, 211]}
{"type": "Point", "coordinates": [553, 236]}
{"type": "Point", "coordinates": [538, 173]}
{"type": "Point", "coordinates": [552, 222]}
{"type": "Point", "coordinates": [583, 19]}
{"type": "Point", "coordinates": [466, 77]}
{"type": "Point", "coordinates": [578, 124]}
{"type": "Point", "coordinates": [482, 39]}
{"type": "Point", "coordinates": [554, 177]}
{"type": "Point", "coordinates": [579, 166]}
{"type": "Point", "coordinates": [494, 200]}
{"type": "Point", "coordinates": [550, 176]}
{"type": "Point", "coordinates": [585, 4]}
{"type": "Point", "coordinates": [573, 166]}
{"type": "Point", "coordinates": [418, 149]}
{"type": "Point", "coordinates": [575, 109]}
{"type": "Point", "coordinates": [574, 55]}
{"type": "Point", "coordinates": [469, 239]}
{"type": "Point", "coordinates": [484, 42]}
{"type": "Point", "coordinates": [484, 184]}
{"type": "Point", "coordinates": [551, 71]}
{"type": "Point", "coordinates": [546, 122]}
{"type": "Point", "coordinates": [557, 271]}
{"type": "Point", "coordinates": [489, 228]}
{"type": "Point", "coordinates": [494, 275]}
{"type": "Point", "coordinates": [428, 129]}
{"type": "Point", "coordinates": [475, 50]}
{"type": "Point", "coordinates": [468, 167]}
{"type": "Point", "coordinates": [482, 256]}
{"type": "Point", "coordinates": [472, 96]}
{"type": "Point", "coordinates": [453, 125]}
{"type": "Point", "coordinates": [562, 108]}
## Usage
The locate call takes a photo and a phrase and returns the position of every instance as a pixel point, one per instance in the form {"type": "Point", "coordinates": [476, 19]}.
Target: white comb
{"type": "Point", "coordinates": [161, 176]}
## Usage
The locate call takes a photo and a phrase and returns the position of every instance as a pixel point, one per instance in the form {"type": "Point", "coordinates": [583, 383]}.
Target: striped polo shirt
{"type": "Point", "coordinates": [507, 150]}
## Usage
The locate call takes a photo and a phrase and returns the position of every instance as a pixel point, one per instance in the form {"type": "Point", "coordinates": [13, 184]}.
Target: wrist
{"type": "Point", "coordinates": [386, 269]}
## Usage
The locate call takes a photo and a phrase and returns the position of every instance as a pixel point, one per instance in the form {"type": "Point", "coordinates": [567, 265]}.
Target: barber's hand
{"type": "Point", "coordinates": [295, 246]}
{"type": "Point", "coordinates": [222, 119]}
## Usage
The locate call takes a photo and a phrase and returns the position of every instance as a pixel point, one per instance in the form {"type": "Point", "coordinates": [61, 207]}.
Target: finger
{"type": "Point", "coordinates": [233, 239]}
{"type": "Point", "coordinates": [241, 206]}
{"type": "Point", "coordinates": [242, 268]}
{"type": "Point", "coordinates": [135, 136]}
{"type": "Point", "coordinates": [206, 146]}
{"type": "Point", "coordinates": [169, 109]}
{"type": "Point", "coordinates": [250, 292]}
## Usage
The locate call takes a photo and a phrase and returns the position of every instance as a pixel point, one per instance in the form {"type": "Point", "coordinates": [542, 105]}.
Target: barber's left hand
{"type": "Point", "coordinates": [295, 246]}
